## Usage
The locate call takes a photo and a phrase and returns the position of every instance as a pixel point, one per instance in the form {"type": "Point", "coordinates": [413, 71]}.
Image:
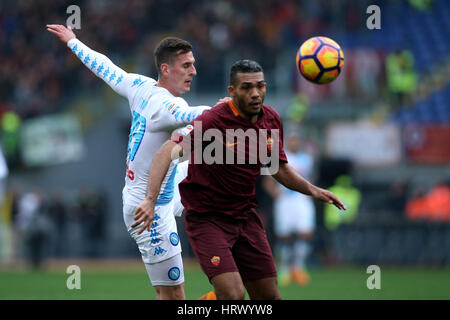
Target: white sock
{"type": "Point", "coordinates": [285, 254]}
{"type": "Point", "coordinates": [302, 250]}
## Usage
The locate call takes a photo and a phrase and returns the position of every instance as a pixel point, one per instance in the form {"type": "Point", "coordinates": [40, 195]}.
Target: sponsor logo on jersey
{"type": "Point", "coordinates": [231, 144]}
{"type": "Point", "coordinates": [174, 239]}
{"type": "Point", "coordinates": [100, 68]}
{"type": "Point", "coordinates": [119, 79]}
{"type": "Point", "coordinates": [94, 64]}
{"type": "Point", "coordinates": [158, 251]}
{"type": "Point", "coordinates": [269, 143]}
{"type": "Point", "coordinates": [174, 273]}
{"type": "Point", "coordinates": [112, 76]}
{"type": "Point", "coordinates": [215, 260]}
{"type": "Point", "coordinates": [105, 74]}
{"type": "Point", "coordinates": [155, 240]}
{"type": "Point", "coordinates": [136, 81]}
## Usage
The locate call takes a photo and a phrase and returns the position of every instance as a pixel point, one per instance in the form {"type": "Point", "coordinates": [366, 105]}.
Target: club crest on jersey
{"type": "Point", "coordinates": [174, 273]}
{"type": "Point", "coordinates": [215, 260]}
{"type": "Point", "coordinates": [269, 143]}
{"type": "Point", "coordinates": [174, 239]}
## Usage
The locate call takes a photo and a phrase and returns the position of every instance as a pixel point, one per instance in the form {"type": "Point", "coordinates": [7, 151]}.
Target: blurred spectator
{"type": "Point", "coordinates": [219, 30]}
{"type": "Point", "coordinates": [57, 211]}
{"type": "Point", "coordinates": [34, 226]}
{"type": "Point", "coordinates": [401, 76]}
{"type": "Point", "coordinates": [417, 205]}
{"type": "Point", "coordinates": [439, 202]}
{"type": "Point", "coordinates": [396, 198]}
{"type": "Point", "coordinates": [368, 66]}
{"type": "Point", "coordinates": [431, 206]}
{"type": "Point", "coordinates": [350, 196]}
{"type": "Point", "coordinates": [91, 209]}
{"type": "Point", "coordinates": [3, 175]}
{"type": "Point", "coordinates": [5, 217]}
{"type": "Point", "coordinates": [10, 130]}
{"type": "Point", "coordinates": [421, 5]}
{"type": "Point", "coordinates": [297, 111]}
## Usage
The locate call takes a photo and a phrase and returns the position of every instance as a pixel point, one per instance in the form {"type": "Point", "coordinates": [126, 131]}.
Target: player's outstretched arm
{"type": "Point", "coordinates": [145, 212]}
{"type": "Point", "coordinates": [288, 177]}
{"type": "Point", "coordinates": [119, 80]}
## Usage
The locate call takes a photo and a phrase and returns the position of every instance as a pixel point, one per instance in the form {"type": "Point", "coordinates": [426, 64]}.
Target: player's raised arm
{"type": "Point", "coordinates": [119, 80]}
{"type": "Point", "coordinates": [288, 177]}
{"type": "Point", "coordinates": [145, 212]}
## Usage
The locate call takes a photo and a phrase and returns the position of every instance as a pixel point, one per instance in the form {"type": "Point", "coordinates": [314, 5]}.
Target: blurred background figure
{"type": "Point", "coordinates": [5, 216]}
{"type": "Point", "coordinates": [350, 195]}
{"type": "Point", "coordinates": [401, 76]}
{"type": "Point", "coordinates": [394, 149]}
{"type": "Point", "coordinates": [58, 213]}
{"type": "Point", "coordinates": [34, 227]}
{"type": "Point", "coordinates": [294, 216]}
{"type": "Point", "coordinates": [90, 212]}
{"type": "Point", "coordinates": [433, 205]}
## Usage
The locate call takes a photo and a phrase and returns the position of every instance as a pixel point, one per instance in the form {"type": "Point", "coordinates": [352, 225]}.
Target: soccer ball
{"type": "Point", "coordinates": [320, 60]}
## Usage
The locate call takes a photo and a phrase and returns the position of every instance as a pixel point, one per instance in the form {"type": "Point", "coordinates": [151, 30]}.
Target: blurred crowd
{"type": "Point", "coordinates": [38, 74]}
{"type": "Point", "coordinates": [38, 225]}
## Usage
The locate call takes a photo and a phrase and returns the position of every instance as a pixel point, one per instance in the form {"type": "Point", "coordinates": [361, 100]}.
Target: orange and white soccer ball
{"type": "Point", "coordinates": [320, 60]}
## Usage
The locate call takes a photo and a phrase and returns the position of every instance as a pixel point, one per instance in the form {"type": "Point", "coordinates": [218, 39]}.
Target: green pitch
{"type": "Point", "coordinates": [132, 283]}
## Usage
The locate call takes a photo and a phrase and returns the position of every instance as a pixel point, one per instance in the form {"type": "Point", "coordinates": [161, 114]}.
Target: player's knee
{"type": "Point", "coordinates": [178, 293]}
{"type": "Point", "coordinates": [171, 293]}
{"type": "Point", "coordinates": [269, 295]}
{"type": "Point", "coordinates": [231, 294]}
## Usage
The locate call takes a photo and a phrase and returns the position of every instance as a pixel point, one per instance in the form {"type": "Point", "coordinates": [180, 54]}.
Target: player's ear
{"type": "Point", "coordinates": [164, 69]}
{"type": "Point", "coordinates": [231, 90]}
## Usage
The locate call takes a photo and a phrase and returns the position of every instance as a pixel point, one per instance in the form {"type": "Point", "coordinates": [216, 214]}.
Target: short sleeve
{"type": "Point", "coordinates": [187, 135]}
{"type": "Point", "coordinates": [281, 153]}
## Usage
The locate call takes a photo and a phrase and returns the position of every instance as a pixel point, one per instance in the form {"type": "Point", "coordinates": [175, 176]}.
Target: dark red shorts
{"type": "Point", "coordinates": [224, 243]}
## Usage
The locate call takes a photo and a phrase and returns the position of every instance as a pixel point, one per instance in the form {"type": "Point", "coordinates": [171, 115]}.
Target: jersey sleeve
{"type": "Point", "coordinates": [277, 124]}
{"type": "Point", "coordinates": [120, 81]}
{"type": "Point", "coordinates": [186, 136]}
{"type": "Point", "coordinates": [174, 112]}
{"type": "Point", "coordinates": [281, 154]}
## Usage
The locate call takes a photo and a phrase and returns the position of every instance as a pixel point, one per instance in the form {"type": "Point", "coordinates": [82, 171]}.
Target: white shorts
{"type": "Point", "coordinates": [166, 273]}
{"type": "Point", "coordinates": [162, 242]}
{"type": "Point", "coordinates": [294, 214]}
{"type": "Point", "coordinates": [182, 169]}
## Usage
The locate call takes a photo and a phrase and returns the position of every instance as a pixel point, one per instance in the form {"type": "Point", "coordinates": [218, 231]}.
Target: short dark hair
{"type": "Point", "coordinates": [243, 66]}
{"type": "Point", "coordinates": [168, 49]}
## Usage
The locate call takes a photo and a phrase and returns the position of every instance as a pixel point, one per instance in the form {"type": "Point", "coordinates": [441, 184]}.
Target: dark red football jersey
{"type": "Point", "coordinates": [227, 153]}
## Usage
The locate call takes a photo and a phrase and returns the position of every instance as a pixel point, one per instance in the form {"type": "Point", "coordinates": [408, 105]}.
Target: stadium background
{"type": "Point", "coordinates": [384, 122]}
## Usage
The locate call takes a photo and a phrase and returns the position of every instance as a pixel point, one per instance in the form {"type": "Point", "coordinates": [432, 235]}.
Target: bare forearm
{"type": "Point", "coordinates": [288, 177]}
{"type": "Point", "coordinates": [158, 169]}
